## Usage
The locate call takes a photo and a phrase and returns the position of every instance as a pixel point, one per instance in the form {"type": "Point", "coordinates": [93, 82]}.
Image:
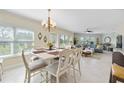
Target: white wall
{"type": "Point", "coordinates": [10, 19]}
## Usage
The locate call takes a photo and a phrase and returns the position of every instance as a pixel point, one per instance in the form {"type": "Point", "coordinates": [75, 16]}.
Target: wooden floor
{"type": "Point", "coordinates": [95, 69]}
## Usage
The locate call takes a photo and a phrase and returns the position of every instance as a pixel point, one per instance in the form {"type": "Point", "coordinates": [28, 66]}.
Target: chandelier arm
{"type": "Point", "coordinates": [49, 23]}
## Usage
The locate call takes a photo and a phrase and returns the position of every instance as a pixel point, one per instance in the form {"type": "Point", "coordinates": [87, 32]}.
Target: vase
{"type": "Point", "coordinates": [50, 48]}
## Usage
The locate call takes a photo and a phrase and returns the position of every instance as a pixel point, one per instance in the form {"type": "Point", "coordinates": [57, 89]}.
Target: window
{"type": "Point", "coordinates": [87, 39]}
{"type": "Point", "coordinates": [64, 40]}
{"type": "Point", "coordinates": [13, 40]}
{"type": "Point", "coordinates": [5, 49]}
{"type": "Point", "coordinates": [53, 38]}
{"type": "Point", "coordinates": [6, 38]}
{"type": "Point", "coordinates": [23, 40]}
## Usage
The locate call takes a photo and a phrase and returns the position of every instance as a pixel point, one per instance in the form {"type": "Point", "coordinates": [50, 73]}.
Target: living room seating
{"type": "Point", "coordinates": [108, 47]}
{"type": "Point", "coordinates": [117, 71]}
{"type": "Point", "coordinates": [93, 48]}
{"type": "Point", "coordinates": [87, 52]}
{"type": "Point", "coordinates": [98, 49]}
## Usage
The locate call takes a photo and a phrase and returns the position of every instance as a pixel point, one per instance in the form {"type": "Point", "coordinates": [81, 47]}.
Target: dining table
{"type": "Point", "coordinates": [48, 55]}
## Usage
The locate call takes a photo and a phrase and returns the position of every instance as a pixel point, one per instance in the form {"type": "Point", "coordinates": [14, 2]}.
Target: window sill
{"type": "Point", "coordinates": [13, 55]}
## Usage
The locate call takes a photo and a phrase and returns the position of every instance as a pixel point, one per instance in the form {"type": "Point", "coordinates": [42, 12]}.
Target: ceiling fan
{"type": "Point", "coordinates": [88, 31]}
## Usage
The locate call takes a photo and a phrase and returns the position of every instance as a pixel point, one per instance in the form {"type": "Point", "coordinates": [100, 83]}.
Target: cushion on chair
{"type": "Point", "coordinates": [37, 64]}
{"type": "Point", "coordinates": [118, 71]}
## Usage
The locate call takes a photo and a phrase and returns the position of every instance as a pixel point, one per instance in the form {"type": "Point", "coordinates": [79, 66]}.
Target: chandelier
{"type": "Point", "coordinates": [48, 23]}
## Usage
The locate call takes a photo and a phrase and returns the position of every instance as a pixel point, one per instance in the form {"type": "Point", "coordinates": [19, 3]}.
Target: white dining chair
{"type": "Point", "coordinates": [32, 68]}
{"type": "Point", "coordinates": [59, 68]}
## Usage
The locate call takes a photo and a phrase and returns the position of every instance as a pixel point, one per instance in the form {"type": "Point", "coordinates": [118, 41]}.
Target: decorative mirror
{"type": "Point", "coordinates": [39, 36]}
{"type": "Point", "coordinates": [107, 39]}
{"type": "Point", "coordinates": [45, 39]}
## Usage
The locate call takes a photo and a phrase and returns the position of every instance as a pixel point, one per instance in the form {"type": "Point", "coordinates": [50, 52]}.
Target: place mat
{"type": "Point", "coordinates": [54, 53]}
{"type": "Point", "coordinates": [38, 51]}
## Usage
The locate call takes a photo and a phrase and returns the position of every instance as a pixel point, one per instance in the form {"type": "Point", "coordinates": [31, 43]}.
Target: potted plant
{"type": "Point", "coordinates": [50, 45]}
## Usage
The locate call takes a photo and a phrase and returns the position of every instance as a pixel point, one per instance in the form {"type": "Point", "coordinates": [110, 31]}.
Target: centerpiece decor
{"type": "Point", "coordinates": [50, 45]}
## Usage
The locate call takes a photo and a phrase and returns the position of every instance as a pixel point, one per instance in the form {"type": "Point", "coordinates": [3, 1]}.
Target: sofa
{"type": "Point", "coordinates": [98, 49]}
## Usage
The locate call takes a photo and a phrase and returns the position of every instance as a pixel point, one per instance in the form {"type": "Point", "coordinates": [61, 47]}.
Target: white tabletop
{"type": "Point", "coordinates": [46, 56]}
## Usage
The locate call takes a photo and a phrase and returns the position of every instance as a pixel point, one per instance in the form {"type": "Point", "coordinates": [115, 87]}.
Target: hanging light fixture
{"type": "Point", "coordinates": [49, 23]}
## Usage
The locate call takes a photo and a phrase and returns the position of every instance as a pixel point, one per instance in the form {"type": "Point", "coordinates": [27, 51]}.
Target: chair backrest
{"type": "Point", "coordinates": [118, 58]}
{"type": "Point", "coordinates": [77, 55]}
{"type": "Point", "coordinates": [24, 60]}
{"type": "Point", "coordinates": [65, 60]}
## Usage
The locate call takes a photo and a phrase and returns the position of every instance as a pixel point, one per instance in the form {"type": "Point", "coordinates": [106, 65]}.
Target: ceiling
{"type": "Point", "coordinates": [78, 20]}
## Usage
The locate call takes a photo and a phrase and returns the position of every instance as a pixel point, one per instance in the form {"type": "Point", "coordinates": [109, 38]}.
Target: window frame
{"type": "Point", "coordinates": [51, 39]}
{"type": "Point", "coordinates": [65, 43]}
{"type": "Point", "coordinates": [14, 41]}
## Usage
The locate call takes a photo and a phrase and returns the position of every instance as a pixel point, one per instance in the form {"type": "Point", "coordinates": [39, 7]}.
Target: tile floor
{"type": "Point", "coordinates": [95, 69]}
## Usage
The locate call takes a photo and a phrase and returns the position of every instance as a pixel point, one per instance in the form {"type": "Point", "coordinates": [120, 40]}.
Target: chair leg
{"type": "Point", "coordinates": [57, 79]}
{"type": "Point", "coordinates": [0, 76]}
{"type": "Point", "coordinates": [29, 77]}
{"type": "Point", "coordinates": [79, 68]}
{"type": "Point", "coordinates": [47, 77]}
{"type": "Point", "coordinates": [74, 74]}
{"type": "Point", "coordinates": [1, 67]}
{"type": "Point", "coordinates": [1, 71]}
{"type": "Point", "coordinates": [25, 76]}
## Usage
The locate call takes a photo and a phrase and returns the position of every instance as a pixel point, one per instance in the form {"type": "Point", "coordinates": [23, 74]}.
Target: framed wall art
{"type": "Point", "coordinates": [45, 39]}
{"type": "Point", "coordinates": [39, 35]}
